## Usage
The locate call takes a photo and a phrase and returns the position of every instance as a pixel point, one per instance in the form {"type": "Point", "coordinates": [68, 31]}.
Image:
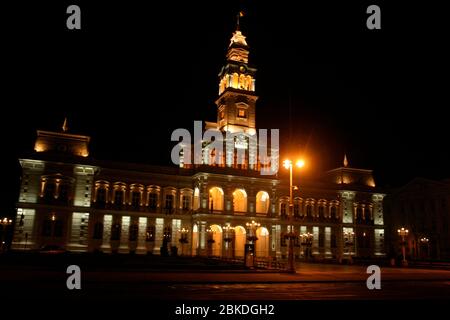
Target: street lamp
{"type": "Point", "coordinates": [5, 222]}
{"type": "Point", "coordinates": [183, 239]}
{"type": "Point", "coordinates": [228, 237]}
{"type": "Point", "coordinates": [403, 233]}
{"type": "Point", "coordinates": [348, 243]}
{"type": "Point", "coordinates": [306, 241]}
{"type": "Point", "coordinates": [251, 238]}
{"type": "Point", "coordinates": [425, 242]}
{"type": "Point", "coordinates": [291, 234]}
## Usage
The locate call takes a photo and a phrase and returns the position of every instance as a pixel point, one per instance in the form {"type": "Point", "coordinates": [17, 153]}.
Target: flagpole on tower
{"type": "Point", "coordinates": [239, 16]}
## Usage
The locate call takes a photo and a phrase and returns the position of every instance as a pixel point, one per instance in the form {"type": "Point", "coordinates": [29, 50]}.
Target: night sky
{"type": "Point", "coordinates": [135, 72]}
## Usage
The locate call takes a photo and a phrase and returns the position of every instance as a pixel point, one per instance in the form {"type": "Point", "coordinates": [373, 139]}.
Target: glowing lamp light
{"type": "Point", "coordinates": [300, 163]}
{"type": "Point", "coordinates": [287, 164]}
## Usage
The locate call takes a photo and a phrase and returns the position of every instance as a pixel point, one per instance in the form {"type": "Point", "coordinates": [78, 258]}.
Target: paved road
{"type": "Point", "coordinates": [312, 281]}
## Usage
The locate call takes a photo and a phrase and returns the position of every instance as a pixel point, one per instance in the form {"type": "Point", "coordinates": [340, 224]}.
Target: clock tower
{"type": "Point", "coordinates": [237, 98]}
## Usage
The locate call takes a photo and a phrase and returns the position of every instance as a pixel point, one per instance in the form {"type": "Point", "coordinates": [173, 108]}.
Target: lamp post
{"type": "Point", "coordinates": [426, 242]}
{"type": "Point", "coordinates": [402, 232]}
{"type": "Point", "coordinates": [291, 234]}
{"type": "Point", "coordinates": [348, 242]}
{"type": "Point", "coordinates": [183, 239]}
{"type": "Point", "coordinates": [251, 238]}
{"type": "Point", "coordinates": [5, 222]}
{"type": "Point", "coordinates": [228, 238]}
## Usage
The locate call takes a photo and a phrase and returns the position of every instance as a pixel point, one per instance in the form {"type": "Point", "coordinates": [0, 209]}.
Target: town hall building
{"type": "Point", "coordinates": [212, 208]}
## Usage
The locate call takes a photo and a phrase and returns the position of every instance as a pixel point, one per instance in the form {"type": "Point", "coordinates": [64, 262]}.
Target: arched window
{"type": "Point", "coordinates": [136, 199]}
{"type": "Point", "coordinates": [169, 203]}
{"type": "Point", "coordinates": [334, 212]}
{"type": "Point", "coordinates": [235, 80]}
{"type": "Point", "coordinates": [240, 200]}
{"type": "Point", "coordinates": [101, 196]}
{"type": "Point", "coordinates": [359, 213]}
{"type": "Point", "coordinates": [186, 202]}
{"type": "Point", "coordinates": [153, 200]}
{"type": "Point", "coordinates": [216, 199]}
{"type": "Point", "coordinates": [49, 191]}
{"type": "Point", "coordinates": [309, 210]}
{"type": "Point", "coordinates": [262, 202]}
{"type": "Point", "coordinates": [322, 212]}
{"type": "Point", "coordinates": [196, 204]}
{"type": "Point", "coordinates": [118, 197]}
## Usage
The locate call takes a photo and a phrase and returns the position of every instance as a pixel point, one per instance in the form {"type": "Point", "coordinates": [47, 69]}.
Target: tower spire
{"type": "Point", "coordinates": [345, 160]}
{"type": "Point", "coordinates": [65, 128]}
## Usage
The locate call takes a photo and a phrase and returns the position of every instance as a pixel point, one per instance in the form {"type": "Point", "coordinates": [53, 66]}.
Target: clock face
{"type": "Point", "coordinates": [242, 69]}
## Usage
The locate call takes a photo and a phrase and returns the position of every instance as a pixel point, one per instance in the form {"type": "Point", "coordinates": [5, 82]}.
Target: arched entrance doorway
{"type": "Point", "coordinates": [215, 248]}
{"type": "Point", "coordinates": [194, 239]}
{"type": "Point", "coordinates": [239, 242]}
{"type": "Point", "coordinates": [262, 244]}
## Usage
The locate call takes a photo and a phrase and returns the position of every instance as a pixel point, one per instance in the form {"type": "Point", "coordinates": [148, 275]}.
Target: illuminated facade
{"type": "Point", "coordinates": [70, 200]}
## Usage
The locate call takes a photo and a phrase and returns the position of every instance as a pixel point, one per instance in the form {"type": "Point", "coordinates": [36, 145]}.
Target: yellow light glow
{"type": "Point", "coordinates": [300, 163]}
{"type": "Point", "coordinates": [287, 163]}
{"type": "Point", "coordinates": [39, 147]}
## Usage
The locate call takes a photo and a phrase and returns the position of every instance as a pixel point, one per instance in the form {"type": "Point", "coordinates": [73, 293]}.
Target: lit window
{"type": "Point", "coordinates": [242, 113]}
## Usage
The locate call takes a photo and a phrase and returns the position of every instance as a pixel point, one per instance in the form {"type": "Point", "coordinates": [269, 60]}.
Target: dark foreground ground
{"type": "Point", "coordinates": [109, 280]}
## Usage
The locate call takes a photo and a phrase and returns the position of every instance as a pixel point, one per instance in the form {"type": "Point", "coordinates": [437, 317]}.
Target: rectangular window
{"type": "Point", "coordinates": [136, 199]}
{"type": "Point", "coordinates": [49, 192]}
{"type": "Point", "coordinates": [242, 113]}
{"type": "Point", "coordinates": [321, 211]}
{"type": "Point", "coordinates": [309, 210]}
{"type": "Point", "coordinates": [101, 195]}
{"type": "Point", "coordinates": [118, 198]}
{"type": "Point", "coordinates": [169, 203]}
{"type": "Point", "coordinates": [186, 201]}
{"type": "Point", "coordinates": [153, 200]}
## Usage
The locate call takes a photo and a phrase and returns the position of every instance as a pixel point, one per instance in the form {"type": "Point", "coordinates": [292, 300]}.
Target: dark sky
{"type": "Point", "coordinates": [135, 72]}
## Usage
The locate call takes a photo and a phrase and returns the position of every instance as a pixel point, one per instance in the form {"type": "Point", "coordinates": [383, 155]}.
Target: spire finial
{"type": "Point", "coordinates": [345, 160]}
{"type": "Point", "coordinates": [65, 128]}
{"type": "Point", "coordinates": [239, 15]}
